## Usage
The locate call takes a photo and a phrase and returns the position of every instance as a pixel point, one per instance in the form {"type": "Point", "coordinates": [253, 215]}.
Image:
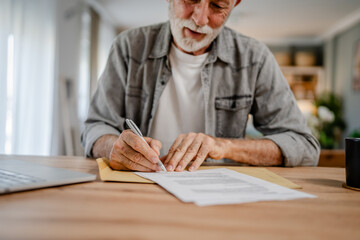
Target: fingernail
{"type": "Point", "coordinates": [155, 160]}
{"type": "Point", "coordinates": [179, 168]}
{"type": "Point", "coordinates": [158, 169]}
{"type": "Point", "coordinates": [191, 168]}
{"type": "Point", "coordinates": [170, 167]}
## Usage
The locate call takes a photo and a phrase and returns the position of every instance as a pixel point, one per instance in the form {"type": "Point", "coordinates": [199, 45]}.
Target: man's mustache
{"type": "Point", "coordinates": [193, 27]}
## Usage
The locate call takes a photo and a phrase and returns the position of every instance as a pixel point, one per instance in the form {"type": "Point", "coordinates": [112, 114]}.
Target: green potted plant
{"type": "Point", "coordinates": [331, 123]}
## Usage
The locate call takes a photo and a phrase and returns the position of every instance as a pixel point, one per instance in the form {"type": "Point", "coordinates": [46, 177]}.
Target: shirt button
{"type": "Point", "coordinates": [150, 116]}
{"type": "Point", "coordinates": [233, 105]}
{"type": "Point", "coordinates": [162, 82]}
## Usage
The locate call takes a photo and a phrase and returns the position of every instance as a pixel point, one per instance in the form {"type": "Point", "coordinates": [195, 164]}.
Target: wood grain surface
{"type": "Point", "coordinates": [108, 210]}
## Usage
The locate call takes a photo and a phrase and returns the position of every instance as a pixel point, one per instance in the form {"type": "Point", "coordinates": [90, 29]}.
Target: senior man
{"type": "Point", "coordinates": [190, 84]}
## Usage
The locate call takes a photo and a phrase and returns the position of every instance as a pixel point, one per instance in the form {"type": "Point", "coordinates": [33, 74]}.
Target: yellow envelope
{"type": "Point", "coordinates": [108, 174]}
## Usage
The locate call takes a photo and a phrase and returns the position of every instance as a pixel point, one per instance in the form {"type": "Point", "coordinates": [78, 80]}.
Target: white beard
{"type": "Point", "coordinates": [189, 44]}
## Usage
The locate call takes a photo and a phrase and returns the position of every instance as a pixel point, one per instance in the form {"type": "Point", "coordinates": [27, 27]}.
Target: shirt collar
{"type": "Point", "coordinates": [162, 43]}
{"type": "Point", "coordinates": [223, 46]}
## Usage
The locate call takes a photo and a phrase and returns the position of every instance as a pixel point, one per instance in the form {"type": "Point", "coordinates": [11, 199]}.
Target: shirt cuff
{"type": "Point", "coordinates": [294, 151]}
{"type": "Point", "coordinates": [94, 133]}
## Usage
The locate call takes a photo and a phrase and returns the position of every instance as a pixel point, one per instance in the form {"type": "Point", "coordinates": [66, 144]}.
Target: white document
{"type": "Point", "coordinates": [221, 186]}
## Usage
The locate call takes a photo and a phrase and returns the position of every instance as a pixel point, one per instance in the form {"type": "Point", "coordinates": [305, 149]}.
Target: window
{"type": "Point", "coordinates": [27, 48]}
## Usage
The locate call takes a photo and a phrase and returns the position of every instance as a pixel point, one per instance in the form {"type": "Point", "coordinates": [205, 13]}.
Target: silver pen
{"type": "Point", "coordinates": [136, 130]}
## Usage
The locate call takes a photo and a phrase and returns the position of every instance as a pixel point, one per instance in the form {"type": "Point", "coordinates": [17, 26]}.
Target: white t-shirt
{"type": "Point", "coordinates": [181, 105]}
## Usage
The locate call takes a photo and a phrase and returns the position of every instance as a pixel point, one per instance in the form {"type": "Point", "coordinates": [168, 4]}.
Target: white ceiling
{"type": "Point", "coordinates": [272, 21]}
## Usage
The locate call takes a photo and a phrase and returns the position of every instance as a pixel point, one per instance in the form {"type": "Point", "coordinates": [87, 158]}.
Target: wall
{"type": "Point", "coordinates": [68, 35]}
{"type": "Point", "coordinates": [107, 33]}
{"type": "Point", "coordinates": [72, 41]}
{"type": "Point", "coordinates": [339, 62]}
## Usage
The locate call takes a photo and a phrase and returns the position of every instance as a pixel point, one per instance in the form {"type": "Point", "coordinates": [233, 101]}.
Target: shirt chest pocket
{"type": "Point", "coordinates": [135, 99]}
{"type": "Point", "coordinates": [232, 115]}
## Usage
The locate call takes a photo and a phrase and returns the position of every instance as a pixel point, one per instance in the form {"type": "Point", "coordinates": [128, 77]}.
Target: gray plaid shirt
{"type": "Point", "coordinates": [240, 77]}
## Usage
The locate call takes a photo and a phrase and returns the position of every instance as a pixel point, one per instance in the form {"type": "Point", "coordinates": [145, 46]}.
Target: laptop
{"type": "Point", "coordinates": [17, 175]}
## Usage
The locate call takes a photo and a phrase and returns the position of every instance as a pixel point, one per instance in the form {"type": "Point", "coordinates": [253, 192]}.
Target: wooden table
{"type": "Point", "coordinates": [108, 210]}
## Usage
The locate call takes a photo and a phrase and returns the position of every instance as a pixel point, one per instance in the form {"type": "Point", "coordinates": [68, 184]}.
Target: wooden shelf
{"type": "Point", "coordinates": [332, 158]}
{"type": "Point", "coordinates": [305, 82]}
{"type": "Point", "coordinates": [295, 70]}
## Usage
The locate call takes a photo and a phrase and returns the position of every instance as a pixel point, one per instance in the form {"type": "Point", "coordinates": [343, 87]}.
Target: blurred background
{"type": "Point", "coordinates": [52, 53]}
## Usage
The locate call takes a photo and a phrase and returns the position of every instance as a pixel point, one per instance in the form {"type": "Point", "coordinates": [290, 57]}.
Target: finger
{"type": "Point", "coordinates": [190, 154]}
{"type": "Point", "coordinates": [163, 158]}
{"type": "Point", "coordinates": [172, 151]}
{"type": "Point", "coordinates": [154, 144]}
{"type": "Point", "coordinates": [123, 163]}
{"type": "Point", "coordinates": [181, 150]}
{"type": "Point", "coordinates": [119, 162]}
{"type": "Point", "coordinates": [114, 164]}
{"type": "Point", "coordinates": [200, 157]}
{"type": "Point", "coordinates": [122, 149]}
{"type": "Point", "coordinates": [136, 143]}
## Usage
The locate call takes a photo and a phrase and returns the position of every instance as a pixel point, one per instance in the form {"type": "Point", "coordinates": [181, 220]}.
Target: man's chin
{"type": "Point", "coordinates": [191, 45]}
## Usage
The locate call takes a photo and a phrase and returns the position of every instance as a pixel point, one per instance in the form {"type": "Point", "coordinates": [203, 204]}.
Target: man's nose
{"type": "Point", "coordinates": [201, 13]}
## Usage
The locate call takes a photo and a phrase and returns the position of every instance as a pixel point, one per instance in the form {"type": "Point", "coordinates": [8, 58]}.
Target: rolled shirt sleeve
{"type": "Point", "coordinates": [277, 116]}
{"type": "Point", "coordinates": [107, 105]}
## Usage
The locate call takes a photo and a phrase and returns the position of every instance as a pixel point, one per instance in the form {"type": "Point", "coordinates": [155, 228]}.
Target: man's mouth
{"type": "Point", "coordinates": [192, 34]}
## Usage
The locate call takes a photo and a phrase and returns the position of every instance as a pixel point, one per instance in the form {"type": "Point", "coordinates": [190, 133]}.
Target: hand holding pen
{"type": "Point", "coordinates": [131, 151]}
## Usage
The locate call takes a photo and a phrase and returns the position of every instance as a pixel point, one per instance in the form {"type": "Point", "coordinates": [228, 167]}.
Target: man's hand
{"type": "Point", "coordinates": [194, 146]}
{"type": "Point", "coordinates": [130, 152]}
